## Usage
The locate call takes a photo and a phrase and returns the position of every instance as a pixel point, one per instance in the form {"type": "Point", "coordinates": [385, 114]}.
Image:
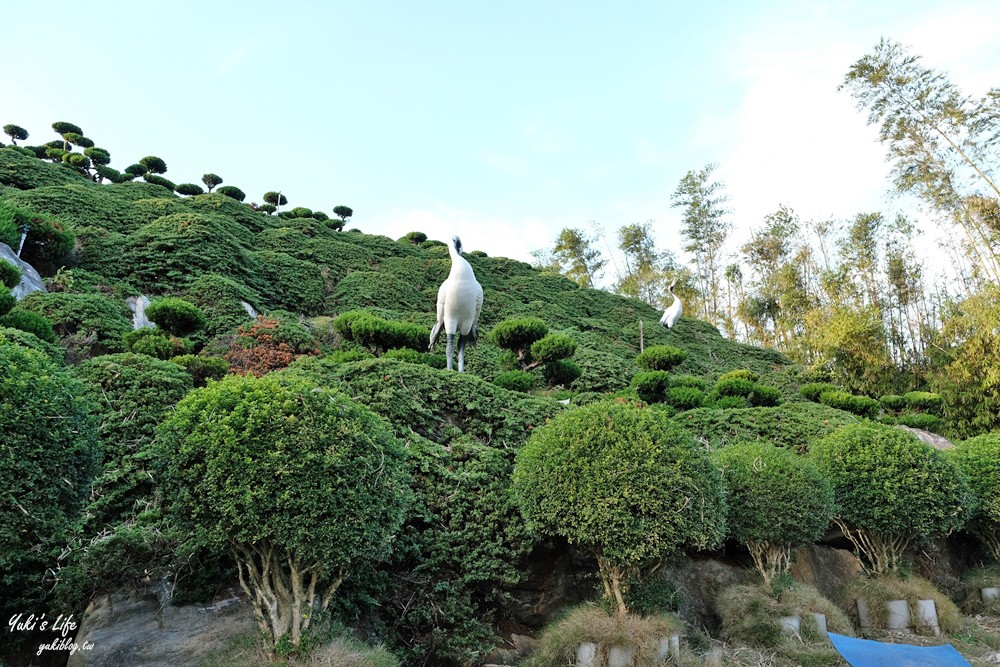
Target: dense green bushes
{"type": "Point", "coordinates": [379, 335]}
{"type": "Point", "coordinates": [251, 461]}
{"type": "Point", "coordinates": [87, 324]}
{"type": "Point", "coordinates": [777, 501]}
{"type": "Point", "coordinates": [178, 317]}
{"type": "Point", "coordinates": [571, 480]}
{"type": "Point", "coordinates": [890, 489]}
{"type": "Point", "coordinates": [979, 459]}
{"type": "Point", "coordinates": [50, 454]}
{"type": "Point", "coordinates": [661, 358]}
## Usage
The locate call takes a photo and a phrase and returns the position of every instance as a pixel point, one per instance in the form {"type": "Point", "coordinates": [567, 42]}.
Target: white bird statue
{"type": "Point", "coordinates": [460, 299]}
{"type": "Point", "coordinates": [673, 311]}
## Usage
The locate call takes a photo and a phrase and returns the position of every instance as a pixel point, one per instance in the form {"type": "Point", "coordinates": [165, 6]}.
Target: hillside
{"type": "Point", "coordinates": [461, 571]}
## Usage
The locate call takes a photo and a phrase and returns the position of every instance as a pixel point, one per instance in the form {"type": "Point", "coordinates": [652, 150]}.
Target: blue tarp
{"type": "Point", "coordinates": [867, 653]}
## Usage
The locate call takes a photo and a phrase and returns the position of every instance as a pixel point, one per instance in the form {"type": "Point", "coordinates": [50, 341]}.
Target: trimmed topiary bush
{"type": "Point", "coordinates": [922, 420]}
{"type": "Point", "coordinates": [50, 455]}
{"type": "Point", "coordinates": [624, 483]}
{"type": "Point", "coordinates": [7, 300]}
{"type": "Point", "coordinates": [814, 390]}
{"type": "Point", "coordinates": [777, 501]}
{"type": "Point", "coordinates": [155, 343]}
{"type": "Point", "coordinates": [10, 275]}
{"type": "Point", "coordinates": [552, 348]}
{"type": "Point", "coordinates": [890, 489]}
{"type": "Point", "coordinates": [688, 381]}
{"type": "Point", "coordinates": [561, 373]}
{"type": "Point", "coordinates": [651, 385]}
{"type": "Point", "coordinates": [202, 368]}
{"type": "Point", "coordinates": [515, 381]}
{"type": "Point", "coordinates": [176, 316]}
{"type": "Point", "coordinates": [742, 373]}
{"type": "Point", "coordinates": [232, 192]}
{"type": "Point", "coordinates": [189, 189]}
{"type": "Point", "coordinates": [923, 401]}
{"type": "Point", "coordinates": [517, 335]}
{"type": "Point", "coordinates": [764, 396]}
{"type": "Point", "coordinates": [684, 398]}
{"type": "Point", "coordinates": [836, 398]}
{"type": "Point", "coordinates": [33, 323]}
{"type": "Point", "coordinates": [736, 386]}
{"type": "Point", "coordinates": [892, 403]}
{"type": "Point", "coordinates": [660, 358]}
{"type": "Point", "coordinates": [250, 461]}
{"type": "Point", "coordinates": [979, 459]}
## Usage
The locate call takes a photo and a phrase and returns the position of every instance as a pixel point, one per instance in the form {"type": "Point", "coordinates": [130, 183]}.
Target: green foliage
{"type": "Point", "coordinates": [923, 420]}
{"type": "Point", "coordinates": [251, 461]}
{"type": "Point", "coordinates": [219, 299]}
{"type": "Point", "coordinates": [15, 132]}
{"type": "Point", "coordinates": [50, 454]}
{"type": "Point", "coordinates": [923, 401]}
{"type": "Point", "coordinates": [736, 386]}
{"type": "Point", "coordinates": [553, 347]}
{"type": "Point", "coordinates": [602, 371]}
{"type": "Point", "coordinates": [792, 425]}
{"type": "Point", "coordinates": [343, 212]}
{"type": "Point", "coordinates": [684, 398]}
{"type": "Point", "coordinates": [741, 373]}
{"type": "Point", "coordinates": [814, 390]}
{"type": "Point", "coordinates": [661, 358]}
{"type": "Point", "coordinates": [515, 381]}
{"type": "Point", "coordinates": [133, 393]}
{"type": "Point", "coordinates": [651, 385]}
{"type": "Point", "coordinates": [862, 406]}
{"type": "Point", "coordinates": [892, 488]}
{"type": "Point", "coordinates": [25, 320]}
{"type": "Point", "coordinates": [765, 396]}
{"type": "Point", "coordinates": [892, 402]}
{"type": "Point", "coordinates": [413, 357]}
{"type": "Point", "coordinates": [10, 274]}
{"type": "Point", "coordinates": [7, 300]}
{"type": "Point", "coordinates": [48, 241]}
{"type": "Point", "coordinates": [154, 343]}
{"type": "Point", "coordinates": [716, 402]}
{"type": "Point", "coordinates": [979, 459]}
{"type": "Point", "coordinates": [777, 500]}
{"type": "Point", "coordinates": [300, 212]}
{"type": "Point", "coordinates": [89, 324]}
{"type": "Point", "coordinates": [211, 180]}
{"type": "Point", "coordinates": [688, 381]}
{"type": "Point", "coordinates": [291, 283]}
{"type": "Point", "coordinates": [378, 335]}
{"type": "Point", "coordinates": [622, 482]}
{"type": "Point", "coordinates": [189, 189]}
{"type": "Point", "coordinates": [153, 164]}
{"type": "Point", "coordinates": [232, 192]}
{"type": "Point", "coordinates": [202, 368]}
{"type": "Point", "coordinates": [176, 316]}
{"type": "Point", "coordinates": [154, 179]}
{"type": "Point", "coordinates": [275, 198]}
{"type": "Point", "coordinates": [561, 372]}
{"type": "Point", "coordinates": [416, 238]}
{"type": "Point", "coordinates": [518, 334]}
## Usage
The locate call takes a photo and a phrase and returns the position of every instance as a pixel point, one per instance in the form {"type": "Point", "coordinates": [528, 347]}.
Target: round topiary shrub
{"type": "Point", "coordinates": [7, 300]}
{"type": "Point", "coordinates": [923, 401]}
{"type": "Point", "coordinates": [661, 358]}
{"type": "Point", "coordinates": [232, 192]}
{"type": "Point", "coordinates": [252, 461]}
{"type": "Point", "coordinates": [622, 482]}
{"type": "Point", "coordinates": [814, 390]}
{"type": "Point", "coordinates": [651, 385]}
{"type": "Point", "coordinates": [553, 347]}
{"type": "Point", "coordinates": [153, 179]}
{"type": "Point", "coordinates": [176, 316]}
{"type": "Point", "coordinates": [416, 238]}
{"type": "Point", "coordinates": [155, 343]}
{"type": "Point", "coordinates": [765, 396]}
{"type": "Point", "coordinates": [202, 368]}
{"type": "Point", "coordinates": [892, 403]}
{"type": "Point", "coordinates": [741, 373]}
{"type": "Point", "coordinates": [979, 459]}
{"type": "Point", "coordinates": [33, 323]}
{"type": "Point", "coordinates": [890, 489]}
{"type": "Point", "coordinates": [10, 275]}
{"type": "Point", "coordinates": [515, 381]}
{"type": "Point", "coordinates": [777, 501]}
{"type": "Point", "coordinates": [684, 398]}
{"type": "Point", "coordinates": [921, 420]}
{"type": "Point", "coordinates": [688, 381]}
{"type": "Point", "coordinates": [866, 407]}
{"type": "Point", "coordinates": [836, 398]}
{"type": "Point", "coordinates": [735, 387]}
{"type": "Point", "coordinates": [189, 189]}
{"type": "Point", "coordinates": [561, 373]}
{"type": "Point", "coordinates": [518, 334]}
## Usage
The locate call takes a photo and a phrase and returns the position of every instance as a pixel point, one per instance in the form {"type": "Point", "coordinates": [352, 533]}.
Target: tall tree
{"type": "Point", "coordinates": [942, 144]}
{"type": "Point", "coordinates": [646, 268]}
{"type": "Point", "coordinates": [211, 180]}
{"type": "Point", "coordinates": [573, 256]}
{"type": "Point", "coordinates": [704, 230]}
{"type": "Point", "coordinates": [15, 132]}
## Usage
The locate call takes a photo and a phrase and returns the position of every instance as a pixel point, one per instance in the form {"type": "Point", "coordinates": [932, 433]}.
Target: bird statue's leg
{"type": "Point", "coordinates": [461, 354]}
{"type": "Point", "coordinates": [450, 350]}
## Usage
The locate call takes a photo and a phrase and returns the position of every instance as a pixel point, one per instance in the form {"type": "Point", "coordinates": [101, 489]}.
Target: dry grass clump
{"type": "Point", "coordinates": [971, 601]}
{"type": "Point", "coordinates": [751, 612]}
{"type": "Point", "coordinates": [250, 651]}
{"type": "Point", "coordinates": [877, 591]}
{"type": "Point", "coordinates": [558, 643]}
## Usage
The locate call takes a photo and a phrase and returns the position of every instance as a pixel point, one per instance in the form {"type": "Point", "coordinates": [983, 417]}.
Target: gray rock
{"type": "Point", "coordinates": [250, 309]}
{"type": "Point", "coordinates": [698, 582]}
{"type": "Point", "coordinates": [138, 305]}
{"type": "Point", "coordinates": [30, 280]}
{"type": "Point", "coordinates": [136, 632]}
{"type": "Point", "coordinates": [933, 439]}
{"type": "Point", "coordinates": [827, 569]}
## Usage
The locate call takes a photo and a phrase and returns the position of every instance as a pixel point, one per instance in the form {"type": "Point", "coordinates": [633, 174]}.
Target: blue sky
{"type": "Point", "coordinates": [503, 122]}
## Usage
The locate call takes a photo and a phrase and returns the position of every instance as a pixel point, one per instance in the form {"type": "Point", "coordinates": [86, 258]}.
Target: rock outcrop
{"type": "Point", "coordinates": [30, 280]}
{"type": "Point", "coordinates": [138, 633]}
{"type": "Point", "coordinates": [138, 305]}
